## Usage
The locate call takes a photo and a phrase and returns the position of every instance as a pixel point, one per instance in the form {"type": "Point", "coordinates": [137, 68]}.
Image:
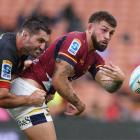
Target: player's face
{"type": "Point", "coordinates": [101, 35]}
{"type": "Point", "coordinates": [36, 43]}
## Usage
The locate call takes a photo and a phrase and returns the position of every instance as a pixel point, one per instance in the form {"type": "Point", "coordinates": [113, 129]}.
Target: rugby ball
{"type": "Point", "coordinates": [134, 82]}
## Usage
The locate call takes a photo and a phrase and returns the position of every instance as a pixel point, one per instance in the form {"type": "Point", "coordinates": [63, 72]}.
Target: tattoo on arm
{"type": "Point", "coordinates": [65, 89]}
{"type": "Point", "coordinates": [66, 70]}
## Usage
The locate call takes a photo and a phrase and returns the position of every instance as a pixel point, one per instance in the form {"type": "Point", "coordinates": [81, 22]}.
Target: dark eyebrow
{"type": "Point", "coordinates": [105, 27]}
{"type": "Point", "coordinates": [108, 28]}
{"type": "Point", "coordinates": [42, 39]}
{"type": "Point", "coordinates": [112, 32]}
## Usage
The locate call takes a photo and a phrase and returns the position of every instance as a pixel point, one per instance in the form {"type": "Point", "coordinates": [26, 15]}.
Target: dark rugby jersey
{"type": "Point", "coordinates": [9, 59]}
{"type": "Point", "coordinates": [72, 48]}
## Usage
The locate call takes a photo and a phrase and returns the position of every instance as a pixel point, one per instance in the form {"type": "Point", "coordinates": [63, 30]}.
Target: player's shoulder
{"type": "Point", "coordinates": [76, 38]}
{"type": "Point", "coordinates": [75, 34]}
{"type": "Point", "coordinates": [7, 41]}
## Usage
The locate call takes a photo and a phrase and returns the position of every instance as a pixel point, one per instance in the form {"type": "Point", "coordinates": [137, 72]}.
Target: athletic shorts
{"type": "Point", "coordinates": [35, 117]}
{"type": "Point", "coordinates": [27, 116]}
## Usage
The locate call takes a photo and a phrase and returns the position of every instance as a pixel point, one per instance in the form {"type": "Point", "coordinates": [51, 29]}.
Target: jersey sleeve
{"type": "Point", "coordinates": [5, 67]}
{"type": "Point", "coordinates": [70, 50]}
{"type": "Point", "coordinates": [95, 67]}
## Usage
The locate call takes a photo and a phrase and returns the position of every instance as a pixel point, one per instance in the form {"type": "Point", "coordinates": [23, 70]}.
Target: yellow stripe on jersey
{"type": "Point", "coordinates": [34, 111]}
{"type": "Point", "coordinates": [68, 56]}
{"type": "Point", "coordinates": [98, 66]}
{"type": "Point", "coordinates": [37, 110]}
{"type": "Point", "coordinates": [5, 81]}
{"type": "Point", "coordinates": [7, 62]}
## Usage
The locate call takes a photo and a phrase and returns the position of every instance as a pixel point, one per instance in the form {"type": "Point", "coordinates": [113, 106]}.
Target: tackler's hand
{"type": "Point", "coordinates": [37, 98]}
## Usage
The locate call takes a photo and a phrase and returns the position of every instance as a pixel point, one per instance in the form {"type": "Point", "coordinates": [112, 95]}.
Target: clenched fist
{"type": "Point", "coordinates": [37, 97]}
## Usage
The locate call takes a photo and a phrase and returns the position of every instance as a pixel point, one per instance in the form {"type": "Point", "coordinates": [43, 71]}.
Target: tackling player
{"type": "Point", "coordinates": [31, 38]}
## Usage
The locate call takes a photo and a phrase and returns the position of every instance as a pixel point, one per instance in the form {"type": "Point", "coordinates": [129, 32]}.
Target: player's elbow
{"type": "Point", "coordinates": [110, 90]}
{"type": "Point", "coordinates": [113, 86]}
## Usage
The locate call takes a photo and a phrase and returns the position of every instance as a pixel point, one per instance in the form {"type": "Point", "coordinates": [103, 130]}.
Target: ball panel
{"type": "Point", "coordinates": [134, 82]}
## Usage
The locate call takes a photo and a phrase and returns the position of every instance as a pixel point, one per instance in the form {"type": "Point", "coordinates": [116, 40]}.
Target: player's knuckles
{"type": "Point", "coordinates": [40, 97]}
{"type": "Point", "coordinates": [115, 73]}
{"type": "Point", "coordinates": [40, 93]}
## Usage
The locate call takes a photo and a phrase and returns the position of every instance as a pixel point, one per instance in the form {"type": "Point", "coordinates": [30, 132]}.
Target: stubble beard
{"type": "Point", "coordinates": [96, 44]}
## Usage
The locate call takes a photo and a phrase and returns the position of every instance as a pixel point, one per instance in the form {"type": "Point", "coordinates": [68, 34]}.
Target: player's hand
{"type": "Point", "coordinates": [113, 71]}
{"type": "Point", "coordinates": [49, 98]}
{"type": "Point", "coordinates": [72, 110]}
{"type": "Point", "coordinates": [27, 63]}
{"type": "Point", "coordinates": [37, 98]}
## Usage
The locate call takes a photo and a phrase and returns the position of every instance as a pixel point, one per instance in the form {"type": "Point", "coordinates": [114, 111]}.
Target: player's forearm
{"type": "Point", "coordinates": [13, 101]}
{"type": "Point", "coordinates": [65, 89]}
{"type": "Point", "coordinates": [60, 81]}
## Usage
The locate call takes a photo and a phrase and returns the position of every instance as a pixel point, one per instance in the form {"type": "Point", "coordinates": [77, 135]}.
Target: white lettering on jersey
{"type": "Point", "coordinates": [6, 69]}
{"type": "Point", "coordinates": [74, 46]}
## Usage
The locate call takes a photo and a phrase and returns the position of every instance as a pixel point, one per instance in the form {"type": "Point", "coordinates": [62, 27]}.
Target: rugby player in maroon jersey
{"type": "Point", "coordinates": [68, 58]}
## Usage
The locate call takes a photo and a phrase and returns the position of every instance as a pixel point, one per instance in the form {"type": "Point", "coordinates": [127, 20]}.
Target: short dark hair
{"type": "Point", "coordinates": [103, 16]}
{"type": "Point", "coordinates": [36, 23]}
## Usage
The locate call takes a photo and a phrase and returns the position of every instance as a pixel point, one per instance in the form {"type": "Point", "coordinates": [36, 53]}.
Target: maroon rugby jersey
{"type": "Point", "coordinates": [72, 48]}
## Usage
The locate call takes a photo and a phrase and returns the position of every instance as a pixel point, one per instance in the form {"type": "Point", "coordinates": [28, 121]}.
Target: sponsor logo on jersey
{"type": "Point", "coordinates": [74, 46]}
{"type": "Point", "coordinates": [6, 69]}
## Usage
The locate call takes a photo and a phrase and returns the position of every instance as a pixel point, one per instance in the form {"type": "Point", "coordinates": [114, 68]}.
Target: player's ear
{"type": "Point", "coordinates": [90, 27]}
{"type": "Point", "coordinates": [24, 34]}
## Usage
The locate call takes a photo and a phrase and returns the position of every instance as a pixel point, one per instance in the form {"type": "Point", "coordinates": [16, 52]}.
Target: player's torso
{"type": "Point", "coordinates": [9, 58]}
{"type": "Point", "coordinates": [43, 67]}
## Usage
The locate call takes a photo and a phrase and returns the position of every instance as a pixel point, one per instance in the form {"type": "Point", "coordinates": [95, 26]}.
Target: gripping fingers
{"type": "Point", "coordinates": [37, 98]}
{"type": "Point", "coordinates": [107, 71]}
{"type": "Point", "coordinates": [113, 72]}
{"type": "Point", "coordinates": [40, 92]}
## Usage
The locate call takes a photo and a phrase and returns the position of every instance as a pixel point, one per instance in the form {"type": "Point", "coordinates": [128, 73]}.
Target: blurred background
{"type": "Point", "coordinates": [107, 116]}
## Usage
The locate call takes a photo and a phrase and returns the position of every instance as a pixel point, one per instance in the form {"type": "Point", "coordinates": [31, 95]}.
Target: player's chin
{"type": "Point", "coordinates": [36, 54]}
{"type": "Point", "coordinates": [102, 48]}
